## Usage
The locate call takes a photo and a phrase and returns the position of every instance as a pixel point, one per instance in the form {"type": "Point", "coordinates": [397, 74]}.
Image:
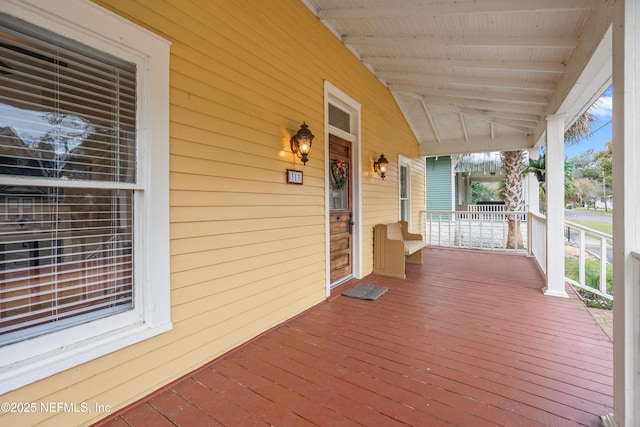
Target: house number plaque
{"type": "Point", "coordinates": [294, 176]}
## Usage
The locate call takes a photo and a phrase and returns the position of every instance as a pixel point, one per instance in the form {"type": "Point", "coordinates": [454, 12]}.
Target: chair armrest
{"type": "Point", "coordinates": [413, 237]}
{"type": "Point", "coordinates": [405, 232]}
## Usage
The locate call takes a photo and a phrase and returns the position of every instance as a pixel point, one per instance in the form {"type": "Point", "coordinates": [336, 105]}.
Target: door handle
{"type": "Point", "coordinates": [351, 224]}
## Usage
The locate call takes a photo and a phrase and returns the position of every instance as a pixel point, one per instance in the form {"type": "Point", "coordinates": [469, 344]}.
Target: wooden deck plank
{"type": "Point", "coordinates": [145, 415]}
{"type": "Point", "coordinates": [177, 409]}
{"type": "Point", "coordinates": [311, 383]}
{"type": "Point", "coordinates": [467, 339]}
{"type": "Point", "coordinates": [225, 411]}
{"type": "Point", "coordinates": [457, 367]}
{"type": "Point", "coordinates": [252, 402]}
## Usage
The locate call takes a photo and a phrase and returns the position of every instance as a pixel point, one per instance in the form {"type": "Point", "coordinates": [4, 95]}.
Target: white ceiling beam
{"type": "Point", "coordinates": [524, 120]}
{"type": "Point", "coordinates": [430, 63]}
{"type": "Point", "coordinates": [519, 119]}
{"type": "Point", "coordinates": [448, 79]}
{"type": "Point", "coordinates": [498, 41]}
{"type": "Point", "coordinates": [491, 108]}
{"type": "Point", "coordinates": [416, 8]}
{"type": "Point", "coordinates": [487, 95]}
{"type": "Point", "coordinates": [478, 144]}
{"type": "Point", "coordinates": [433, 126]}
{"type": "Point", "coordinates": [526, 126]}
{"type": "Point", "coordinates": [464, 127]}
{"type": "Point", "coordinates": [521, 126]}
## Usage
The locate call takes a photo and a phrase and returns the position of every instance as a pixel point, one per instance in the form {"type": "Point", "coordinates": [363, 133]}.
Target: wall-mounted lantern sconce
{"type": "Point", "coordinates": [301, 143]}
{"type": "Point", "coordinates": [381, 166]}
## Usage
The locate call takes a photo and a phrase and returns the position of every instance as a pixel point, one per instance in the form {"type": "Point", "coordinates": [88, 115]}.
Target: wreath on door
{"type": "Point", "coordinates": [340, 173]}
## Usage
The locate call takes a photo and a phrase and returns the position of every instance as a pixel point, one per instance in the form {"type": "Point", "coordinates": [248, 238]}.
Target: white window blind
{"type": "Point", "coordinates": [68, 119]}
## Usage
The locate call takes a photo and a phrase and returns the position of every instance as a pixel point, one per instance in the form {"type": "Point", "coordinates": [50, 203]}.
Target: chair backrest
{"type": "Point", "coordinates": [394, 232]}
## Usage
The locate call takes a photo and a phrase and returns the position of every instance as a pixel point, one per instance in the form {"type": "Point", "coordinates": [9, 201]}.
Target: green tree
{"type": "Point", "coordinates": [603, 161]}
{"type": "Point", "coordinates": [481, 193]}
{"type": "Point", "coordinates": [586, 191]}
{"type": "Point", "coordinates": [582, 162]}
{"type": "Point", "coordinates": [538, 167]}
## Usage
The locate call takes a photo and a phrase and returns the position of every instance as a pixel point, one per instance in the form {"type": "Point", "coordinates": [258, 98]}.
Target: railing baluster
{"type": "Point", "coordinates": [603, 265]}
{"type": "Point", "coordinates": [601, 290]}
{"type": "Point", "coordinates": [582, 258]}
{"type": "Point", "coordinates": [470, 232]}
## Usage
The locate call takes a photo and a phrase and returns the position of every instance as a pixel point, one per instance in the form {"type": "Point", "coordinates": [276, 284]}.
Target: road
{"type": "Point", "coordinates": [572, 215]}
{"type": "Point", "coordinates": [592, 245]}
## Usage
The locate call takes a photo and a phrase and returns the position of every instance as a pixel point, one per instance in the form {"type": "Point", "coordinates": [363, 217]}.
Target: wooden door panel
{"type": "Point", "coordinates": [340, 239]}
{"type": "Point", "coordinates": [339, 226]}
{"type": "Point", "coordinates": [341, 242]}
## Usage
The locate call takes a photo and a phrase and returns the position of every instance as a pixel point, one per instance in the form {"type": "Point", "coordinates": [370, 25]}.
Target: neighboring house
{"type": "Point", "coordinates": [484, 168]}
{"type": "Point", "coordinates": [174, 236]}
{"type": "Point", "coordinates": [449, 178]}
{"type": "Point", "coordinates": [440, 183]}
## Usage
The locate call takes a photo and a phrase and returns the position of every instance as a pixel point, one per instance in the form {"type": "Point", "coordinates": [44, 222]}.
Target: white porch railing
{"type": "Point", "coordinates": [599, 249]}
{"type": "Point", "coordinates": [471, 229]}
{"type": "Point", "coordinates": [538, 241]}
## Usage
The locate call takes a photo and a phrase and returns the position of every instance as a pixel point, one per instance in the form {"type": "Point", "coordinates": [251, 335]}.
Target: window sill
{"type": "Point", "coordinates": [36, 368]}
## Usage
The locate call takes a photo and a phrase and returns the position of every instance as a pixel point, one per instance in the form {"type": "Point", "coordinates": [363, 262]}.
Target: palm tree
{"type": "Point", "coordinates": [513, 164]}
{"type": "Point", "coordinates": [514, 168]}
{"type": "Point", "coordinates": [581, 128]}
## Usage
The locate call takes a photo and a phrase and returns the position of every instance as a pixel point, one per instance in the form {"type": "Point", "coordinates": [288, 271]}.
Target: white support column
{"type": "Point", "coordinates": [626, 220]}
{"type": "Point", "coordinates": [533, 186]}
{"type": "Point", "coordinates": [555, 206]}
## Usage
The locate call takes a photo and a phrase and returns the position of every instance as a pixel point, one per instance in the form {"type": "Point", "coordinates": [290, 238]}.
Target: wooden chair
{"type": "Point", "coordinates": [393, 246]}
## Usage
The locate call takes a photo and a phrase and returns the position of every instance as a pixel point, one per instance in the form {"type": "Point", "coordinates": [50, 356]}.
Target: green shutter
{"type": "Point", "coordinates": [439, 183]}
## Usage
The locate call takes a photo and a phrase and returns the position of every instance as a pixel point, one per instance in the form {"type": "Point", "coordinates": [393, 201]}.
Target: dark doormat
{"type": "Point", "coordinates": [365, 291]}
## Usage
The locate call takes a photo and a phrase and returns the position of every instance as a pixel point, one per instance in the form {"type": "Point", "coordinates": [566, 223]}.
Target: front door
{"type": "Point", "coordinates": [340, 210]}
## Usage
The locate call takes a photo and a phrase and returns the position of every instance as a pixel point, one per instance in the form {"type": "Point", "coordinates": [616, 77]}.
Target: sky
{"type": "Point", "coordinates": [601, 129]}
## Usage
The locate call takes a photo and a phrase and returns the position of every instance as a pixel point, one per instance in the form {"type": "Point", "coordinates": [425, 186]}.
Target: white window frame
{"type": "Point", "coordinates": [406, 162]}
{"type": "Point", "coordinates": [33, 359]}
{"type": "Point", "coordinates": [334, 95]}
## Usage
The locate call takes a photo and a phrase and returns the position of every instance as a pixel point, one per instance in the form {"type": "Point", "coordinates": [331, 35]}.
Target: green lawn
{"type": "Point", "coordinates": [592, 268]}
{"type": "Point", "coordinates": [602, 211]}
{"type": "Point", "coordinates": [592, 277]}
{"type": "Point", "coordinates": [603, 227]}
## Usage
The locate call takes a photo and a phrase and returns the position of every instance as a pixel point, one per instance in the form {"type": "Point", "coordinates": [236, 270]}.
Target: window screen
{"type": "Point", "coordinates": [67, 169]}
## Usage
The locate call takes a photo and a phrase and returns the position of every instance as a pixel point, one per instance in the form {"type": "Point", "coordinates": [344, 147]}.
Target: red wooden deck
{"type": "Point", "coordinates": [468, 339]}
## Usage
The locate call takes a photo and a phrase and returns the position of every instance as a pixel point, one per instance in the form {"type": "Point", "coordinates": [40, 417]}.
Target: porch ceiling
{"type": "Point", "coordinates": [474, 76]}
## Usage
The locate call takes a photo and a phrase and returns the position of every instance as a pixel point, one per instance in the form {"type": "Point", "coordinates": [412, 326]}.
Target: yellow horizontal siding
{"type": "Point", "coordinates": [247, 249]}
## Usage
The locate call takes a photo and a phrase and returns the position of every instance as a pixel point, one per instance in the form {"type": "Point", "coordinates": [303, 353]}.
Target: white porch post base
{"type": "Point", "coordinates": [609, 421]}
{"type": "Point", "coordinates": [555, 292]}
